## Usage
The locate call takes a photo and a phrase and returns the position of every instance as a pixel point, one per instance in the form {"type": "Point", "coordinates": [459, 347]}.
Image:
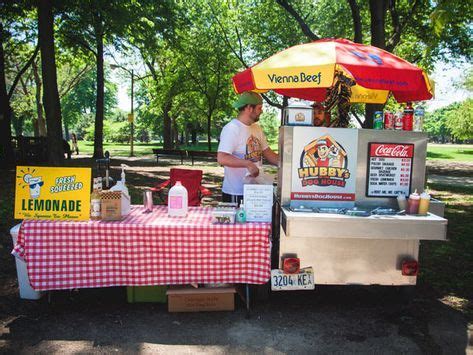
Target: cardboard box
{"type": "Point", "coordinates": [146, 294]}
{"type": "Point", "coordinates": [188, 299]}
{"type": "Point", "coordinates": [111, 205]}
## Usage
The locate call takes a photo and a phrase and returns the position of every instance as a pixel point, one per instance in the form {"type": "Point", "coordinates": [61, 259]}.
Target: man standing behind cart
{"type": "Point", "coordinates": [243, 146]}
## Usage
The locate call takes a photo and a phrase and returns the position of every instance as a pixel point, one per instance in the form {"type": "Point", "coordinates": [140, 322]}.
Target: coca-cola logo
{"type": "Point", "coordinates": [392, 150]}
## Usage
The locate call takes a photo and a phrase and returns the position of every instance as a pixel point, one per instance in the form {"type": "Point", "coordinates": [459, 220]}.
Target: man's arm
{"type": "Point", "coordinates": [271, 156]}
{"type": "Point", "coordinates": [232, 161]}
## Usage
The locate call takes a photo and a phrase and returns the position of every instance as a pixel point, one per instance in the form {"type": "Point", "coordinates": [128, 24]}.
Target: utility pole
{"type": "Point", "coordinates": [132, 115]}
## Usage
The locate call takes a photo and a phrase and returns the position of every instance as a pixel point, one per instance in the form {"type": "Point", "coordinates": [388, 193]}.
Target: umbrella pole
{"type": "Point", "coordinates": [285, 101]}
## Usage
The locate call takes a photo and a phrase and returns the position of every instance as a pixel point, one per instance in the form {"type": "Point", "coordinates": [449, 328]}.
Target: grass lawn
{"type": "Point", "coordinates": [456, 152]}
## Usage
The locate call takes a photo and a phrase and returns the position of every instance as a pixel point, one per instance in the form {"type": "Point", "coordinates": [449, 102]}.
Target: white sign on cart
{"type": "Point", "coordinates": [389, 169]}
{"type": "Point", "coordinates": [324, 167]}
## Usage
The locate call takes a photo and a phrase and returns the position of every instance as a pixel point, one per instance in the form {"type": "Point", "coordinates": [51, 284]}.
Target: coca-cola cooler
{"type": "Point", "coordinates": [340, 218]}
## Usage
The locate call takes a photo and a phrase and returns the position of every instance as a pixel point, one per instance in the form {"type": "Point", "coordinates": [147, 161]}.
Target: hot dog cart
{"type": "Point", "coordinates": [338, 212]}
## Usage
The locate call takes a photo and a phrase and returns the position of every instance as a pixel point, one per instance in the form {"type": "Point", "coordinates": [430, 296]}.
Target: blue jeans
{"type": "Point", "coordinates": [232, 198]}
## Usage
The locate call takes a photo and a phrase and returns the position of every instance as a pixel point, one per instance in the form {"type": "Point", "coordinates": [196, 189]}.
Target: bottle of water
{"type": "Point", "coordinates": [418, 118]}
{"type": "Point", "coordinates": [177, 201]}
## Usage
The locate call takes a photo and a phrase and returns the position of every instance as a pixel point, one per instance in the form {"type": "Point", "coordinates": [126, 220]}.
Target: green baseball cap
{"type": "Point", "coordinates": [248, 98]}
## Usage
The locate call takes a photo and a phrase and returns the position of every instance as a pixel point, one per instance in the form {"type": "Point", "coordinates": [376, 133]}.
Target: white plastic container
{"type": "Point", "coordinates": [26, 291]}
{"type": "Point", "coordinates": [177, 201]}
{"type": "Point", "coordinates": [121, 186]}
{"type": "Point", "coordinates": [298, 114]}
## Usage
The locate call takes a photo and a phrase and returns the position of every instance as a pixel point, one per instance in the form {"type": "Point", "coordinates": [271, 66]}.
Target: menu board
{"type": "Point", "coordinates": [258, 201]}
{"type": "Point", "coordinates": [389, 169]}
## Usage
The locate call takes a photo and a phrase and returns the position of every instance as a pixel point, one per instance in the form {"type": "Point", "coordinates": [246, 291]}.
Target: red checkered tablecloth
{"type": "Point", "coordinates": [144, 249]}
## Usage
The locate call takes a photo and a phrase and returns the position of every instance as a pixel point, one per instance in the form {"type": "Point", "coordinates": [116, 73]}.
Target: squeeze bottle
{"type": "Point", "coordinates": [413, 203]}
{"type": "Point", "coordinates": [95, 199]}
{"type": "Point", "coordinates": [177, 201]}
{"type": "Point", "coordinates": [424, 203]}
{"type": "Point", "coordinates": [125, 196]}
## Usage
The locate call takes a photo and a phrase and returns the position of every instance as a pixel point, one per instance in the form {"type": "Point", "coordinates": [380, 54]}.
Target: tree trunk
{"type": "Point", "coordinates": [18, 122]}
{"type": "Point", "coordinates": [51, 101]}
{"type": "Point", "coordinates": [66, 132]}
{"type": "Point", "coordinates": [187, 132]}
{"type": "Point", "coordinates": [6, 149]}
{"type": "Point", "coordinates": [40, 122]}
{"type": "Point", "coordinates": [99, 103]}
{"type": "Point", "coordinates": [167, 125]}
{"type": "Point", "coordinates": [194, 135]}
{"type": "Point", "coordinates": [378, 39]}
{"type": "Point", "coordinates": [357, 24]}
{"type": "Point", "coordinates": [209, 144]}
{"type": "Point", "coordinates": [209, 121]}
{"type": "Point", "coordinates": [175, 132]}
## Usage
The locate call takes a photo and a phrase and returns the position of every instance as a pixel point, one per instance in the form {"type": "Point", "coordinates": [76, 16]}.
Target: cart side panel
{"type": "Point", "coordinates": [338, 261]}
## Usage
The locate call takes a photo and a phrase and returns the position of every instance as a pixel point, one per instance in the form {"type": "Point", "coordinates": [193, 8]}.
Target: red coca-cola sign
{"type": "Point", "coordinates": [391, 150]}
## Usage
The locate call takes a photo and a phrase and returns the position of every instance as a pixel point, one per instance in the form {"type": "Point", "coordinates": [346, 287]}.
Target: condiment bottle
{"type": "Point", "coordinates": [241, 213]}
{"type": "Point", "coordinates": [413, 203]}
{"type": "Point", "coordinates": [95, 213]}
{"type": "Point", "coordinates": [402, 202]}
{"type": "Point", "coordinates": [424, 203]}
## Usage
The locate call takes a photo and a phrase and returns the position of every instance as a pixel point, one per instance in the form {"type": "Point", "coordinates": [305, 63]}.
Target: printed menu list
{"type": "Point", "coordinates": [390, 169]}
{"type": "Point", "coordinates": [258, 202]}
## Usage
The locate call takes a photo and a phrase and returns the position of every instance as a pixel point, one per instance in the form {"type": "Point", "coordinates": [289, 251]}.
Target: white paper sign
{"type": "Point", "coordinates": [324, 166]}
{"type": "Point", "coordinates": [258, 201]}
{"type": "Point", "coordinates": [390, 169]}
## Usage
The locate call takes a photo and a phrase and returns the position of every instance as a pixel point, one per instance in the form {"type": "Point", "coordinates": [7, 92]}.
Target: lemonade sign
{"type": "Point", "coordinates": [52, 193]}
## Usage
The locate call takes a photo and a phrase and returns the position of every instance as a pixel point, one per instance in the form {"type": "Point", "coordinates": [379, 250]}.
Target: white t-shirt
{"type": "Point", "coordinates": [244, 142]}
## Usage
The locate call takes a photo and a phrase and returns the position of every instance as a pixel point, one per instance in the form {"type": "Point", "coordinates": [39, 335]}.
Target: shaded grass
{"type": "Point", "coordinates": [448, 266]}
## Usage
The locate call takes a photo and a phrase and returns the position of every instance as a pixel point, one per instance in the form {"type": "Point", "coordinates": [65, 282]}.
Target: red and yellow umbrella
{"type": "Point", "coordinates": [306, 71]}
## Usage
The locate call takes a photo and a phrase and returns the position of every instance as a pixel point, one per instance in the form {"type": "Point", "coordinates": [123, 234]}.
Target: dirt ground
{"type": "Point", "coordinates": [328, 320]}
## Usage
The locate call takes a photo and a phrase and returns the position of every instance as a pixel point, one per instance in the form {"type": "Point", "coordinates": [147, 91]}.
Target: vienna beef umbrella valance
{"type": "Point", "coordinates": [306, 71]}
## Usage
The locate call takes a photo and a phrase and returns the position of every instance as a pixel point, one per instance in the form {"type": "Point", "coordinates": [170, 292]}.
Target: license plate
{"type": "Point", "coordinates": [303, 280]}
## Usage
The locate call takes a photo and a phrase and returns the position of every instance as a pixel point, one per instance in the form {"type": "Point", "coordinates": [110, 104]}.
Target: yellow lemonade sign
{"type": "Point", "coordinates": [52, 193]}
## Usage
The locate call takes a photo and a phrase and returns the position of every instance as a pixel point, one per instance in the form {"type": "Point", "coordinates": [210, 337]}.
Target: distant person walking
{"type": "Point", "coordinates": [75, 147]}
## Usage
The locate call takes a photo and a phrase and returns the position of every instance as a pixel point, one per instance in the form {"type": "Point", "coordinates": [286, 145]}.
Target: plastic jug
{"type": "Point", "coordinates": [120, 186]}
{"type": "Point", "coordinates": [177, 200]}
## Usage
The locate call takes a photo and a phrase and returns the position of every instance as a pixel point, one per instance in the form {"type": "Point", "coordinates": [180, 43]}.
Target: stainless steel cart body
{"type": "Point", "coordinates": [368, 169]}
